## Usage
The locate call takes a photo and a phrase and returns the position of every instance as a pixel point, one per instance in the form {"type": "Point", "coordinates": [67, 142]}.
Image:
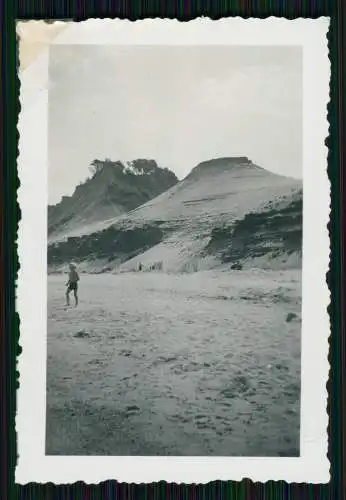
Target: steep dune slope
{"type": "Point", "coordinates": [177, 230]}
{"type": "Point", "coordinates": [114, 189]}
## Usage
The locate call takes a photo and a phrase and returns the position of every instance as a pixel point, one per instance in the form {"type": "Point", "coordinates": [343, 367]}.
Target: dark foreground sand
{"type": "Point", "coordinates": [156, 364]}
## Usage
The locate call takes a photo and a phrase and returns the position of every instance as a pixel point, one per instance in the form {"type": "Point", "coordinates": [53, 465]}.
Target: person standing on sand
{"type": "Point", "coordinates": [72, 284]}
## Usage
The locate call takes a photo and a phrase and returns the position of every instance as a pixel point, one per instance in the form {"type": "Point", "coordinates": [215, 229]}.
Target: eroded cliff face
{"type": "Point", "coordinates": [114, 188]}
{"type": "Point", "coordinates": [273, 232]}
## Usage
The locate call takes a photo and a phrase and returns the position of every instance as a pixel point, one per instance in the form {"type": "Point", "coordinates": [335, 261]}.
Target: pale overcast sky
{"type": "Point", "coordinates": [178, 105]}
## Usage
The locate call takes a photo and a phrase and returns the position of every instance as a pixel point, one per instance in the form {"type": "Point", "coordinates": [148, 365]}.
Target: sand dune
{"type": "Point", "coordinates": [258, 213]}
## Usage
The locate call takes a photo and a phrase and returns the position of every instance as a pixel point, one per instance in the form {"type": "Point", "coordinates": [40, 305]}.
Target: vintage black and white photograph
{"type": "Point", "coordinates": [174, 229]}
{"type": "Point", "coordinates": [174, 250]}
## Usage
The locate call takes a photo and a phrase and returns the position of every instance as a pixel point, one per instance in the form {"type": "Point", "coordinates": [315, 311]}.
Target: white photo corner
{"type": "Point", "coordinates": [173, 250]}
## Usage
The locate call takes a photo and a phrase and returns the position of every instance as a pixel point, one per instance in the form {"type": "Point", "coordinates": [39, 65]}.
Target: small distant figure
{"type": "Point", "coordinates": [72, 284]}
{"type": "Point", "coordinates": [140, 267]}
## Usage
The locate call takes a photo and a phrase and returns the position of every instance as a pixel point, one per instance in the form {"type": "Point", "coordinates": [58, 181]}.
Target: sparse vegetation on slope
{"type": "Point", "coordinates": [269, 232]}
{"type": "Point", "coordinates": [112, 244]}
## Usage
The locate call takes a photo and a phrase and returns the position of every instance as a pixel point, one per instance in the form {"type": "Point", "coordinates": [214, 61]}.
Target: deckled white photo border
{"type": "Point", "coordinates": [312, 465]}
